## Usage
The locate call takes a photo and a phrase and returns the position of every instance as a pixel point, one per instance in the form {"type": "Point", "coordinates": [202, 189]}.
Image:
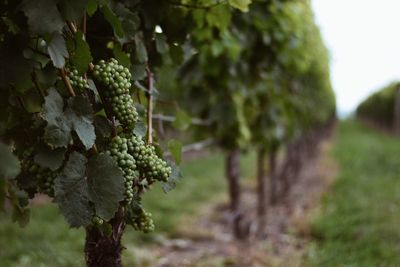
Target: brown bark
{"type": "Point", "coordinates": [102, 250]}
{"type": "Point", "coordinates": [261, 191]}
{"type": "Point", "coordinates": [232, 176]}
{"type": "Point", "coordinates": [273, 178]}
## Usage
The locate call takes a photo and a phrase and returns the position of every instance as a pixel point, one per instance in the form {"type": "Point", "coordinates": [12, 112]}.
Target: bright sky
{"type": "Point", "coordinates": [363, 37]}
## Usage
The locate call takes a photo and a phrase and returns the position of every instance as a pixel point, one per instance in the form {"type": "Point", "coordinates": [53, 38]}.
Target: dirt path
{"type": "Point", "coordinates": [206, 240]}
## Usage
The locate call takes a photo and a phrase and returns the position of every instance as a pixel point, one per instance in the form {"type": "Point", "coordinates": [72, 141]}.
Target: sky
{"type": "Point", "coordinates": [363, 37]}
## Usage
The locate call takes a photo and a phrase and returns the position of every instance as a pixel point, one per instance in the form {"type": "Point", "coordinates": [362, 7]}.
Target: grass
{"type": "Point", "coordinates": [47, 240]}
{"type": "Point", "coordinates": [360, 220]}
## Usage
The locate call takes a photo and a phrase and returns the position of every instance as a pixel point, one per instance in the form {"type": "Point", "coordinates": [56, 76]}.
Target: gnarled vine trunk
{"type": "Point", "coordinates": [103, 250]}
{"type": "Point", "coordinates": [232, 173]}
{"type": "Point", "coordinates": [261, 191]}
{"type": "Point", "coordinates": [273, 195]}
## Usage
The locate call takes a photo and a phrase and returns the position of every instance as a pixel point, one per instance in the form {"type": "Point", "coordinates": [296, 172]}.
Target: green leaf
{"type": "Point", "coordinates": [43, 16]}
{"type": "Point", "coordinates": [106, 185]}
{"type": "Point", "coordinates": [71, 192]}
{"type": "Point", "coordinates": [80, 115]}
{"type": "Point", "coordinates": [49, 158]}
{"type": "Point", "coordinates": [161, 43]}
{"type": "Point", "coordinates": [57, 50]}
{"type": "Point", "coordinates": [177, 54]}
{"type": "Point", "coordinates": [91, 7]}
{"type": "Point", "coordinates": [58, 129]}
{"type": "Point", "coordinates": [103, 126]}
{"type": "Point", "coordinates": [182, 120]}
{"type": "Point", "coordinates": [81, 56]}
{"type": "Point", "coordinates": [138, 72]}
{"type": "Point", "coordinates": [121, 56]}
{"type": "Point", "coordinates": [175, 147]}
{"type": "Point", "coordinates": [140, 129]}
{"type": "Point", "coordinates": [113, 20]}
{"type": "Point", "coordinates": [141, 52]}
{"type": "Point", "coordinates": [72, 10]}
{"type": "Point", "coordinates": [175, 177]}
{"type": "Point", "coordinates": [242, 5]}
{"type": "Point", "coordinates": [9, 164]}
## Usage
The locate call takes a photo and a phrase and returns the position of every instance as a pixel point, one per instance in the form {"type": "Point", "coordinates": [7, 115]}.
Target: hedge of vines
{"type": "Point", "coordinates": [379, 108]}
{"type": "Point", "coordinates": [80, 81]}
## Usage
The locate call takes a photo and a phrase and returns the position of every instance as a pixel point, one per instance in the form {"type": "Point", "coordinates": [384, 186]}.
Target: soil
{"type": "Point", "coordinates": [207, 240]}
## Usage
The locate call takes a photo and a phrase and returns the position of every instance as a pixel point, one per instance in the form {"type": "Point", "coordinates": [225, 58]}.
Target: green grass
{"type": "Point", "coordinates": [360, 220]}
{"type": "Point", "coordinates": [47, 240]}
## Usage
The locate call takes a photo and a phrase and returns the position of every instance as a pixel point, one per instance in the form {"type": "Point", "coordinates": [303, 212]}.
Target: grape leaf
{"type": "Point", "coordinates": [71, 192]}
{"type": "Point", "coordinates": [91, 7]}
{"type": "Point", "coordinates": [175, 177]}
{"type": "Point", "coordinates": [80, 115]}
{"type": "Point", "coordinates": [121, 56]}
{"type": "Point", "coordinates": [182, 120]}
{"type": "Point", "coordinates": [140, 129]}
{"type": "Point", "coordinates": [175, 147]}
{"type": "Point", "coordinates": [161, 43]}
{"type": "Point", "coordinates": [57, 50]}
{"type": "Point", "coordinates": [49, 158]}
{"type": "Point", "coordinates": [242, 5]}
{"type": "Point", "coordinates": [58, 130]}
{"type": "Point", "coordinates": [106, 185]}
{"type": "Point", "coordinates": [113, 20]}
{"type": "Point", "coordinates": [81, 56]}
{"type": "Point", "coordinates": [72, 10]}
{"type": "Point", "coordinates": [9, 164]}
{"type": "Point", "coordinates": [103, 126]}
{"type": "Point", "coordinates": [43, 16]}
{"type": "Point", "coordinates": [141, 52]}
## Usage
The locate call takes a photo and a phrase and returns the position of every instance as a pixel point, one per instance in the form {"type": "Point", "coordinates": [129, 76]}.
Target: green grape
{"type": "Point", "coordinates": [143, 222]}
{"type": "Point", "coordinates": [44, 177]}
{"type": "Point", "coordinates": [77, 81]}
{"type": "Point", "coordinates": [149, 164]}
{"type": "Point", "coordinates": [116, 79]}
{"type": "Point", "coordinates": [118, 149]}
{"type": "Point", "coordinates": [96, 220]}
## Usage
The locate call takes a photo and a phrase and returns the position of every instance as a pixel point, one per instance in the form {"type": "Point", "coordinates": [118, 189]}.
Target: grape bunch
{"type": "Point", "coordinates": [116, 79]}
{"type": "Point", "coordinates": [119, 151]}
{"type": "Point", "coordinates": [143, 222]}
{"type": "Point", "coordinates": [44, 177]}
{"type": "Point", "coordinates": [149, 164]}
{"type": "Point", "coordinates": [77, 81]}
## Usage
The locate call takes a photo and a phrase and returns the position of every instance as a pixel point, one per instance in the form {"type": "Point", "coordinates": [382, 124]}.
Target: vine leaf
{"type": "Point", "coordinates": [20, 215]}
{"type": "Point", "coordinates": [182, 120]}
{"type": "Point", "coordinates": [57, 132]}
{"type": "Point", "coordinates": [113, 20]}
{"type": "Point", "coordinates": [80, 115]}
{"type": "Point", "coordinates": [9, 164]}
{"type": "Point", "coordinates": [49, 158]}
{"type": "Point", "coordinates": [175, 177]}
{"type": "Point", "coordinates": [140, 129]}
{"type": "Point", "coordinates": [71, 192]}
{"type": "Point", "coordinates": [175, 147]}
{"type": "Point", "coordinates": [57, 50]}
{"type": "Point", "coordinates": [106, 185]}
{"type": "Point", "coordinates": [141, 52]}
{"type": "Point", "coordinates": [81, 56]}
{"type": "Point", "coordinates": [72, 10]}
{"type": "Point", "coordinates": [242, 5]}
{"type": "Point", "coordinates": [43, 16]}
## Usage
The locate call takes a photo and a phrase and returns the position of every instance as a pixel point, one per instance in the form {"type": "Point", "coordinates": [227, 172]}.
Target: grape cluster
{"type": "Point", "coordinates": [44, 176]}
{"type": "Point", "coordinates": [149, 164]}
{"type": "Point", "coordinates": [96, 220]}
{"type": "Point", "coordinates": [117, 78]}
{"type": "Point", "coordinates": [77, 81]}
{"type": "Point", "coordinates": [143, 222]}
{"type": "Point", "coordinates": [119, 151]}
